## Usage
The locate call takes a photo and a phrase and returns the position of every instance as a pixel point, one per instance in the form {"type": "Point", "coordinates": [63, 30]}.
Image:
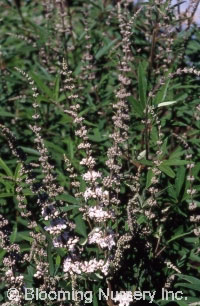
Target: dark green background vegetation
{"type": "Point", "coordinates": [30, 42]}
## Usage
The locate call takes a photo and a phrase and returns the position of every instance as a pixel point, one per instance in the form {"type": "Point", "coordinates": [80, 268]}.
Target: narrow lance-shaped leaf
{"type": "Point", "coordinates": [5, 168]}
{"type": "Point", "coordinates": [41, 85]}
{"type": "Point", "coordinates": [167, 170]}
{"type": "Point", "coordinates": [136, 106]}
{"type": "Point", "coordinates": [167, 103]}
{"type": "Point", "coordinates": [161, 95]}
{"type": "Point", "coordinates": [103, 50]}
{"type": "Point", "coordinates": [57, 87]}
{"type": "Point", "coordinates": [142, 84]}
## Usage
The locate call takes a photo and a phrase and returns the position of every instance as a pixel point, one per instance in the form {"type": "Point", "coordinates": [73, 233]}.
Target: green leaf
{"type": "Point", "coordinates": [30, 150]}
{"type": "Point", "coordinates": [58, 260]}
{"type": "Point", "coordinates": [55, 148]}
{"type": "Point", "coordinates": [174, 162]}
{"type": "Point", "coordinates": [14, 234]}
{"type": "Point", "coordinates": [181, 97]}
{"type": "Point", "coordinates": [7, 182]}
{"type": "Point", "coordinates": [70, 149]}
{"type": "Point", "coordinates": [17, 171]}
{"type": "Point", "coordinates": [142, 84]}
{"type": "Point", "coordinates": [50, 258]}
{"type": "Point", "coordinates": [61, 98]}
{"type": "Point", "coordinates": [57, 87]}
{"type": "Point", "coordinates": [145, 162]}
{"type": "Point", "coordinates": [136, 106]}
{"type": "Point", "coordinates": [24, 235]}
{"type": "Point", "coordinates": [190, 286]}
{"type": "Point", "coordinates": [105, 49]}
{"type": "Point", "coordinates": [167, 103]}
{"type": "Point", "coordinates": [89, 123]}
{"type": "Point", "coordinates": [167, 170]}
{"type": "Point", "coordinates": [80, 224]}
{"type": "Point", "coordinates": [179, 181]}
{"type": "Point", "coordinates": [41, 85]}
{"type": "Point", "coordinates": [97, 136]}
{"type": "Point", "coordinates": [57, 265]}
{"type": "Point", "coordinates": [181, 303]}
{"type": "Point", "coordinates": [190, 279]}
{"type": "Point", "coordinates": [2, 253]}
{"type": "Point", "coordinates": [149, 178]}
{"type": "Point", "coordinates": [177, 153]}
{"type": "Point", "coordinates": [69, 207]}
{"type": "Point", "coordinates": [5, 168]}
{"type": "Point", "coordinates": [3, 113]}
{"type": "Point", "coordinates": [179, 236]}
{"type": "Point", "coordinates": [141, 220]}
{"type": "Point", "coordinates": [22, 221]}
{"type": "Point", "coordinates": [154, 134]}
{"type": "Point", "coordinates": [194, 257]}
{"type": "Point", "coordinates": [161, 95]}
{"type": "Point", "coordinates": [95, 300]}
{"type": "Point", "coordinates": [6, 195]}
{"type": "Point", "coordinates": [68, 198]}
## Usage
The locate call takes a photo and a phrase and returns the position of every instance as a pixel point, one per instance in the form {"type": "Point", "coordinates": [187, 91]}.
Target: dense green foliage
{"type": "Point", "coordinates": [158, 190]}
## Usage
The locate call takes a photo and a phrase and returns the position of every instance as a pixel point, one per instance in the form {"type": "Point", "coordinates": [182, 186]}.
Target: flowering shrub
{"type": "Point", "coordinates": [99, 165]}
